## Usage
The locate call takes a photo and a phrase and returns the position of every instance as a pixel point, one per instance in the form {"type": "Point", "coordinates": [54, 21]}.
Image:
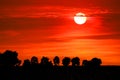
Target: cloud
{"type": "Point", "coordinates": [113, 4]}
{"type": "Point", "coordinates": [35, 38]}
{"type": "Point", "coordinates": [43, 3]}
{"type": "Point", "coordinates": [9, 33]}
{"type": "Point", "coordinates": [111, 22]}
{"type": "Point", "coordinates": [48, 11]}
{"type": "Point", "coordinates": [99, 37]}
{"type": "Point", "coordinates": [29, 23]}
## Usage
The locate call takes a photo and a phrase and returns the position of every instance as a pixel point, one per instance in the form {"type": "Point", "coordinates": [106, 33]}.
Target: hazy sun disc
{"type": "Point", "coordinates": [80, 18]}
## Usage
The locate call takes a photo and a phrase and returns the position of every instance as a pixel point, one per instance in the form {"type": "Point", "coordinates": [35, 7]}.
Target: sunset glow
{"type": "Point", "coordinates": [47, 28]}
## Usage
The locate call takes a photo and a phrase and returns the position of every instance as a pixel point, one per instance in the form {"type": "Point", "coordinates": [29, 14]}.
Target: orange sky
{"type": "Point", "coordinates": [46, 28]}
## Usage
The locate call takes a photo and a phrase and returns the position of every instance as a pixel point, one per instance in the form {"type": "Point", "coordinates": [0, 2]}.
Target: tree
{"type": "Point", "coordinates": [96, 62]}
{"type": "Point", "coordinates": [75, 61]}
{"type": "Point", "coordinates": [19, 62]}
{"type": "Point", "coordinates": [56, 60]}
{"type": "Point", "coordinates": [86, 63]}
{"type": "Point", "coordinates": [9, 58]}
{"type": "Point", "coordinates": [66, 61]}
{"type": "Point", "coordinates": [1, 63]}
{"type": "Point", "coordinates": [46, 62]}
{"type": "Point", "coordinates": [34, 60]}
{"type": "Point", "coordinates": [26, 63]}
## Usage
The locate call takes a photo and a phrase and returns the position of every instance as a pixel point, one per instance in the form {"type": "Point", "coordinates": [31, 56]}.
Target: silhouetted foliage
{"type": "Point", "coordinates": [9, 58]}
{"type": "Point", "coordinates": [56, 60]}
{"type": "Point", "coordinates": [50, 63]}
{"type": "Point", "coordinates": [19, 62]}
{"type": "Point", "coordinates": [75, 61]}
{"type": "Point", "coordinates": [66, 61]}
{"type": "Point", "coordinates": [96, 62]}
{"type": "Point", "coordinates": [86, 63]}
{"type": "Point", "coordinates": [90, 69]}
{"type": "Point", "coordinates": [26, 63]}
{"type": "Point", "coordinates": [34, 60]}
{"type": "Point", "coordinates": [45, 61]}
{"type": "Point", "coordinates": [1, 60]}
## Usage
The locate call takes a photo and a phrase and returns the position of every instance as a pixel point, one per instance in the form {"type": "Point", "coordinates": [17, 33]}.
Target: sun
{"type": "Point", "coordinates": [80, 18]}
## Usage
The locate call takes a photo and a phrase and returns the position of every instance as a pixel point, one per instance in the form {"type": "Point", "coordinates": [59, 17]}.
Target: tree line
{"type": "Point", "coordinates": [10, 58]}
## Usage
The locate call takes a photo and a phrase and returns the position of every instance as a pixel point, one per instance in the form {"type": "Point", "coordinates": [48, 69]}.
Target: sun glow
{"type": "Point", "coordinates": [80, 18]}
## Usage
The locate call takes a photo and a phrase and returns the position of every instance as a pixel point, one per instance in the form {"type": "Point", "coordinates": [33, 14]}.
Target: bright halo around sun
{"type": "Point", "coordinates": [80, 18]}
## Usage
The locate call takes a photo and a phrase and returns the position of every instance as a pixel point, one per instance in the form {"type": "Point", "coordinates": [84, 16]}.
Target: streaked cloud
{"type": "Point", "coordinates": [48, 11]}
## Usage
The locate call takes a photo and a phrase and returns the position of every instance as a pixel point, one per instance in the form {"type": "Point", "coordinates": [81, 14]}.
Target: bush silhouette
{"type": "Point", "coordinates": [9, 58]}
{"type": "Point", "coordinates": [75, 61]}
{"type": "Point", "coordinates": [34, 60]}
{"type": "Point", "coordinates": [45, 61]}
{"type": "Point", "coordinates": [26, 63]}
{"type": "Point", "coordinates": [66, 61]}
{"type": "Point", "coordinates": [86, 63]}
{"type": "Point", "coordinates": [56, 60]}
{"type": "Point", "coordinates": [96, 62]}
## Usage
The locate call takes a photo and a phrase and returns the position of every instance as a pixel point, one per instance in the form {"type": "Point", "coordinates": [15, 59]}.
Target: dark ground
{"type": "Point", "coordinates": [60, 73]}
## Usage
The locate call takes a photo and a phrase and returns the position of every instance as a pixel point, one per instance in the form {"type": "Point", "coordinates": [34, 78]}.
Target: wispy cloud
{"type": "Point", "coordinates": [48, 11]}
{"type": "Point", "coordinates": [98, 37]}
{"type": "Point", "coordinates": [72, 3]}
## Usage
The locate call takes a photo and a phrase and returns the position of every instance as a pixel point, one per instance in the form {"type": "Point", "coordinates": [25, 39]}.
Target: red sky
{"type": "Point", "coordinates": [46, 28]}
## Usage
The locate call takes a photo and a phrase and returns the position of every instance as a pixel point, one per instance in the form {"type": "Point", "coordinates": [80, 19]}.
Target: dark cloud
{"type": "Point", "coordinates": [111, 22]}
{"type": "Point", "coordinates": [38, 37]}
{"type": "Point", "coordinates": [112, 4]}
{"type": "Point", "coordinates": [30, 38]}
{"type": "Point", "coordinates": [99, 37]}
{"type": "Point", "coordinates": [44, 3]}
{"type": "Point", "coordinates": [29, 23]}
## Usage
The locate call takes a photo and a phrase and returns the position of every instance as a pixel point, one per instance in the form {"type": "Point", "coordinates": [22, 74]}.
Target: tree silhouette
{"type": "Point", "coordinates": [56, 60]}
{"type": "Point", "coordinates": [19, 62]}
{"type": "Point", "coordinates": [96, 62]}
{"type": "Point", "coordinates": [26, 63]}
{"type": "Point", "coordinates": [1, 59]}
{"type": "Point", "coordinates": [66, 61]}
{"type": "Point", "coordinates": [75, 61]}
{"type": "Point", "coordinates": [86, 63]}
{"type": "Point", "coordinates": [45, 61]}
{"type": "Point", "coordinates": [34, 60]}
{"type": "Point", "coordinates": [9, 58]}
